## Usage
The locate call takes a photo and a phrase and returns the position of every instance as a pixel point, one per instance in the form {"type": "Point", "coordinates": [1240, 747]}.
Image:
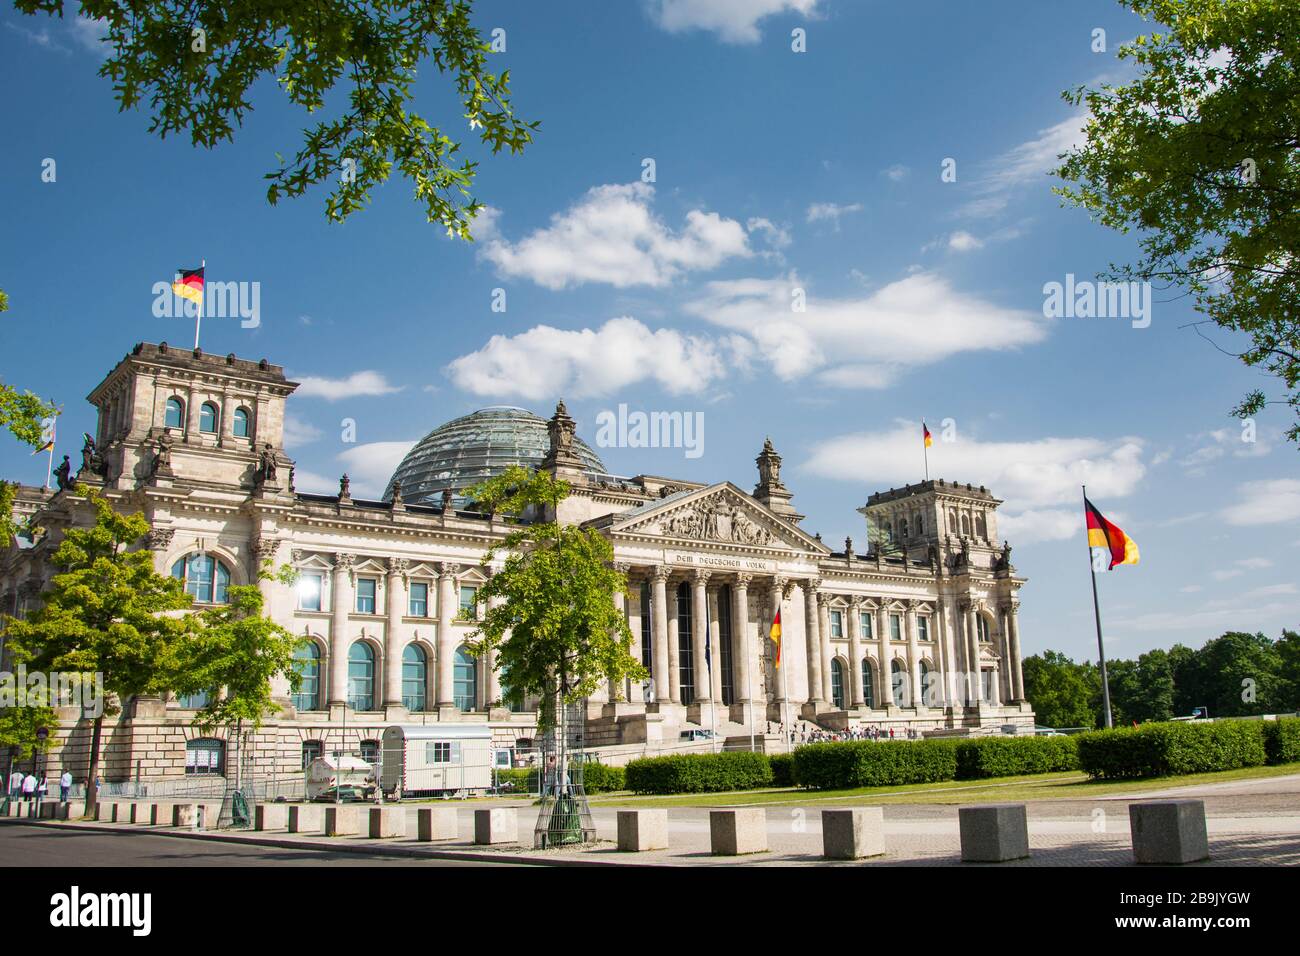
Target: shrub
{"type": "Point", "coordinates": [1168, 749]}
{"type": "Point", "coordinates": [865, 763]}
{"type": "Point", "coordinates": [598, 778]}
{"type": "Point", "coordinates": [782, 769]}
{"type": "Point", "coordinates": [1015, 756]}
{"type": "Point", "coordinates": [699, 773]}
{"type": "Point", "coordinates": [524, 779]}
{"type": "Point", "coordinates": [1282, 740]}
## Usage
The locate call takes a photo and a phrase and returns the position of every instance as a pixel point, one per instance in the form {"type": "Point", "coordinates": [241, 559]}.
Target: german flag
{"type": "Point", "coordinates": [1104, 534]}
{"type": "Point", "coordinates": [188, 284]}
{"type": "Point", "coordinates": [775, 635]}
{"type": "Point", "coordinates": [929, 439]}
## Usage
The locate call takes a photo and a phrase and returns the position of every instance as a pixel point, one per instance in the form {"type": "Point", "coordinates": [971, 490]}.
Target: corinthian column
{"type": "Point", "coordinates": [744, 656]}
{"type": "Point", "coordinates": [1017, 675]}
{"type": "Point", "coordinates": [447, 604]}
{"type": "Point", "coordinates": [855, 655]}
{"type": "Point", "coordinates": [700, 635]}
{"type": "Point", "coordinates": [659, 614]}
{"type": "Point", "coordinates": [913, 655]}
{"type": "Point", "coordinates": [340, 607]}
{"type": "Point", "coordinates": [394, 594]}
{"type": "Point", "coordinates": [812, 628]}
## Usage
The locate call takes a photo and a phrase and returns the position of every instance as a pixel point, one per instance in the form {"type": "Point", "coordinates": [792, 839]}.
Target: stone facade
{"type": "Point", "coordinates": [919, 632]}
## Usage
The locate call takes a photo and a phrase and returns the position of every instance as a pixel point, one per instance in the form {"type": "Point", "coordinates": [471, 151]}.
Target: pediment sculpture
{"type": "Point", "coordinates": [716, 520]}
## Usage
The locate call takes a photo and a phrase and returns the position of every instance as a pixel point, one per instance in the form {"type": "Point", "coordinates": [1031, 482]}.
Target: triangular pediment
{"type": "Point", "coordinates": [718, 514]}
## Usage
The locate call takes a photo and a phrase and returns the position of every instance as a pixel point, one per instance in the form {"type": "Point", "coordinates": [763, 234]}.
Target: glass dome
{"type": "Point", "coordinates": [474, 447]}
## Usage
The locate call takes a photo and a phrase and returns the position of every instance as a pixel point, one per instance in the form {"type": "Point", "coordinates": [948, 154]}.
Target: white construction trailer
{"type": "Point", "coordinates": [436, 758]}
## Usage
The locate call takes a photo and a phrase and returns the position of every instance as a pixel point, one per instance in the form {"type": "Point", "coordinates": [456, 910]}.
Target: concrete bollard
{"type": "Point", "coordinates": [47, 811]}
{"type": "Point", "coordinates": [853, 833]}
{"type": "Point", "coordinates": [1169, 831]}
{"type": "Point", "coordinates": [640, 830]}
{"type": "Point", "coordinates": [342, 820]}
{"type": "Point", "coordinates": [436, 823]}
{"type": "Point", "coordinates": [159, 814]}
{"type": "Point", "coordinates": [63, 810]}
{"type": "Point", "coordinates": [498, 825]}
{"type": "Point", "coordinates": [387, 822]}
{"type": "Point", "coordinates": [306, 818]}
{"type": "Point", "coordinates": [271, 816]}
{"type": "Point", "coordinates": [737, 832]}
{"type": "Point", "coordinates": [137, 812]}
{"type": "Point", "coordinates": [185, 815]}
{"type": "Point", "coordinates": [993, 833]}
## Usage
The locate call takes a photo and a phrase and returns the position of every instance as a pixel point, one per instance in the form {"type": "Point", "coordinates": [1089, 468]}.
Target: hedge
{"type": "Point", "coordinates": [598, 778]}
{"type": "Point", "coordinates": [782, 769]}
{"type": "Point", "coordinates": [1169, 749]}
{"type": "Point", "coordinates": [866, 763]}
{"type": "Point", "coordinates": [524, 778]}
{"type": "Point", "coordinates": [1282, 740]}
{"type": "Point", "coordinates": [1015, 756]}
{"type": "Point", "coordinates": [699, 773]}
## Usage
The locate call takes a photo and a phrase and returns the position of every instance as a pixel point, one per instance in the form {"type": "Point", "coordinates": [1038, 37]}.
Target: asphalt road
{"type": "Point", "coordinates": [46, 846]}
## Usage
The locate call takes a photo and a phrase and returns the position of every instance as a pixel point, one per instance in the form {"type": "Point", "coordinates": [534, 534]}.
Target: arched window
{"type": "Point", "coordinates": [465, 679]}
{"type": "Point", "coordinates": [175, 417]}
{"type": "Point", "coordinates": [685, 655]}
{"type": "Point", "coordinates": [868, 683]}
{"type": "Point", "coordinates": [981, 529]}
{"type": "Point", "coordinates": [952, 520]}
{"type": "Point", "coordinates": [239, 427]}
{"type": "Point", "coordinates": [205, 755]}
{"type": "Point", "coordinates": [647, 630]}
{"type": "Point", "coordinates": [965, 524]}
{"type": "Point", "coordinates": [514, 699]}
{"type": "Point", "coordinates": [898, 683]}
{"type": "Point", "coordinates": [311, 749]}
{"type": "Point", "coordinates": [306, 661]}
{"type": "Point", "coordinates": [837, 683]}
{"type": "Point", "coordinates": [724, 645]}
{"type": "Point", "coordinates": [414, 679]}
{"type": "Point", "coordinates": [208, 418]}
{"type": "Point", "coordinates": [206, 578]}
{"type": "Point", "coordinates": [361, 677]}
{"type": "Point", "coordinates": [982, 628]}
{"type": "Point", "coordinates": [929, 695]}
{"type": "Point", "coordinates": [903, 533]}
{"type": "Point", "coordinates": [920, 524]}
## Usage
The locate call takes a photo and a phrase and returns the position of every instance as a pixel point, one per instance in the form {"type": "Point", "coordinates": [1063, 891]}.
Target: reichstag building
{"type": "Point", "coordinates": [917, 631]}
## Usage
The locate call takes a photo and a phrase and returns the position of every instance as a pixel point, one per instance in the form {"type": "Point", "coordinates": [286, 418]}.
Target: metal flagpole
{"type": "Point", "coordinates": [1096, 610]}
{"type": "Point", "coordinates": [925, 448]}
{"type": "Point", "coordinates": [198, 310]}
{"type": "Point", "coordinates": [49, 465]}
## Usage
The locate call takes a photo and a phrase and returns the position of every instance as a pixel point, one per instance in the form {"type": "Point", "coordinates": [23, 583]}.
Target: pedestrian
{"type": "Point", "coordinates": [29, 788]}
{"type": "Point", "coordinates": [65, 786]}
{"type": "Point", "coordinates": [42, 788]}
{"type": "Point", "coordinates": [891, 733]}
{"type": "Point", "coordinates": [15, 784]}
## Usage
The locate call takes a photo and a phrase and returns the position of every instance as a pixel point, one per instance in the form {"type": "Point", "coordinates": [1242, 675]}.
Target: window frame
{"type": "Point", "coordinates": [180, 413]}
{"type": "Point", "coordinates": [210, 408]}
{"type": "Point", "coordinates": [410, 599]}
{"type": "Point", "coordinates": [243, 415]}
{"type": "Point", "coordinates": [304, 576]}
{"type": "Point", "coordinates": [373, 597]}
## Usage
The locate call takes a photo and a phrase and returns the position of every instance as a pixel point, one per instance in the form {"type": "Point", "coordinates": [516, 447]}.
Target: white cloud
{"type": "Point", "coordinates": [1025, 164]}
{"type": "Point", "coordinates": [962, 241]}
{"type": "Point", "coordinates": [831, 212]}
{"type": "Point", "coordinates": [356, 385]}
{"type": "Point", "coordinates": [1042, 477]}
{"type": "Point", "coordinates": [369, 466]}
{"type": "Point", "coordinates": [775, 236]}
{"type": "Point", "coordinates": [1265, 502]}
{"type": "Point", "coordinates": [313, 483]}
{"type": "Point", "coordinates": [298, 432]}
{"type": "Point", "coordinates": [546, 361]}
{"type": "Point", "coordinates": [90, 34]}
{"type": "Point", "coordinates": [612, 236]}
{"type": "Point", "coordinates": [734, 21]}
{"type": "Point", "coordinates": [1213, 445]}
{"type": "Point", "coordinates": [897, 173]}
{"type": "Point", "coordinates": [866, 340]}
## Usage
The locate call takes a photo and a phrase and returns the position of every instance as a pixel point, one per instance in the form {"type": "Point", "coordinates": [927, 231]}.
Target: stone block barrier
{"type": "Point", "coordinates": [853, 833]}
{"type": "Point", "coordinates": [387, 822]}
{"type": "Point", "coordinates": [271, 816]}
{"type": "Point", "coordinates": [436, 823]}
{"type": "Point", "coordinates": [342, 820]}
{"type": "Point", "coordinates": [184, 815]}
{"type": "Point", "coordinates": [993, 833]}
{"type": "Point", "coordinates": [498, 825]}
{"type": "Point", "coordinates": [738, 831]}
{"type": "Point", "coordinates": [306, 818]}
{"type": "Point", "coordinates": [640, 830]}
{"type": "Point", "coordinates": [1169, 831]}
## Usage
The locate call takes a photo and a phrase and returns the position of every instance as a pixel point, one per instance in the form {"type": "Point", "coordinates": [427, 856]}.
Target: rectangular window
{"type": "Point", "coordinates": [442, 751]}
{"type": "Point", "coordinates": [468, 602]}
{"type": "Point", "coordinates": [309, 591]}
{"type": "Point", "coordinates": [365, 595]}
{"type": "Point", "coordinates": [419, 605]}
{"type": "Point", "coordinates": [837, 623]}
{"type": "Point", "coordinates": [864, 619]}
{"type": "Point", "coordinates": [895, 627]}
{"type": "Point", "coordinates": [923, 628]}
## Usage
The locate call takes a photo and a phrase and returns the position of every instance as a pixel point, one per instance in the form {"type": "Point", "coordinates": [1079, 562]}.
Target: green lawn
{"type": "Point", "coordinates": [1073, 785]}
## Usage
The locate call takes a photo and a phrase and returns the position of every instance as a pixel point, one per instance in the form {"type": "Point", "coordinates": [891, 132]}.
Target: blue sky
{"type": "Point", "coordinates": [774, 171]}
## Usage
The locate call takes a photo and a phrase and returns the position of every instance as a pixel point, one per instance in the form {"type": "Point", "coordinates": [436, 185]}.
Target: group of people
{"type": "Point", "coordinates": [27, 787]}
{"type": "Point", "coordinates": [817, 735]}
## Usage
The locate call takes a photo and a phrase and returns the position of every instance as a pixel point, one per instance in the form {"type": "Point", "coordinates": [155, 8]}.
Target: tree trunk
{"type": "Point", "coordinates": [92, 792]}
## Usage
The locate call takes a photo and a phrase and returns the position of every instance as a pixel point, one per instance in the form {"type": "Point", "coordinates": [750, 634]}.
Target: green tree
{"type": "Point", "coordinates": [557, 632]}
{"type": "Point", "coordinates": [1059, 690]}
{"type": "Point", "coordinates": [195, 63]}
{"type": "Point", "coordinates": [106, 612]}
{"type": "Point", "coordinates": [1288, 671]}
{"type": "Point", "coordinates": [1200, 155]}
{"type": "Point", "coordinates": [23, 415]}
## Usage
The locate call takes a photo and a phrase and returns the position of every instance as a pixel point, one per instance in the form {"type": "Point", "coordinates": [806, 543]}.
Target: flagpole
{"type": "Point", "coordinates": [925, 448]}
{"type": "Point", "coordinates": [49, 465]}
{"type": "Point", "coordinates": [198, 306]}
{"type": "Point", "coordinates": [1096, 610]}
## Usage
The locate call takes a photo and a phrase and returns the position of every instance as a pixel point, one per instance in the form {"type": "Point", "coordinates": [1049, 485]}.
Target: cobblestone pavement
{"type": "Point", "coordinates": [1250, 822]}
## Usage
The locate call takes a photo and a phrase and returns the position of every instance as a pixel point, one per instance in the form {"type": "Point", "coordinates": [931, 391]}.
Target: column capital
{"type": "Point", "coordinates": [265, 548]}
{"type": "Point", "coordinates": [159, 539]}
{"type": "Point", "coordinates": [701, 576]}
{"type": "Point", "coordinates": [344, 560]}
{"type": "Point", "coordinates": [811, 585]}
{"type": "Point", "coordinates": [448, 569]}
{"type": "Point", "coordinates": [743, 578]}
{"type": "Point", "coordinates": [623, 567]}
{"type": "Point", "coordinates": [660, 572]}
{"type": "Point", "coordinates": [397, 567]}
